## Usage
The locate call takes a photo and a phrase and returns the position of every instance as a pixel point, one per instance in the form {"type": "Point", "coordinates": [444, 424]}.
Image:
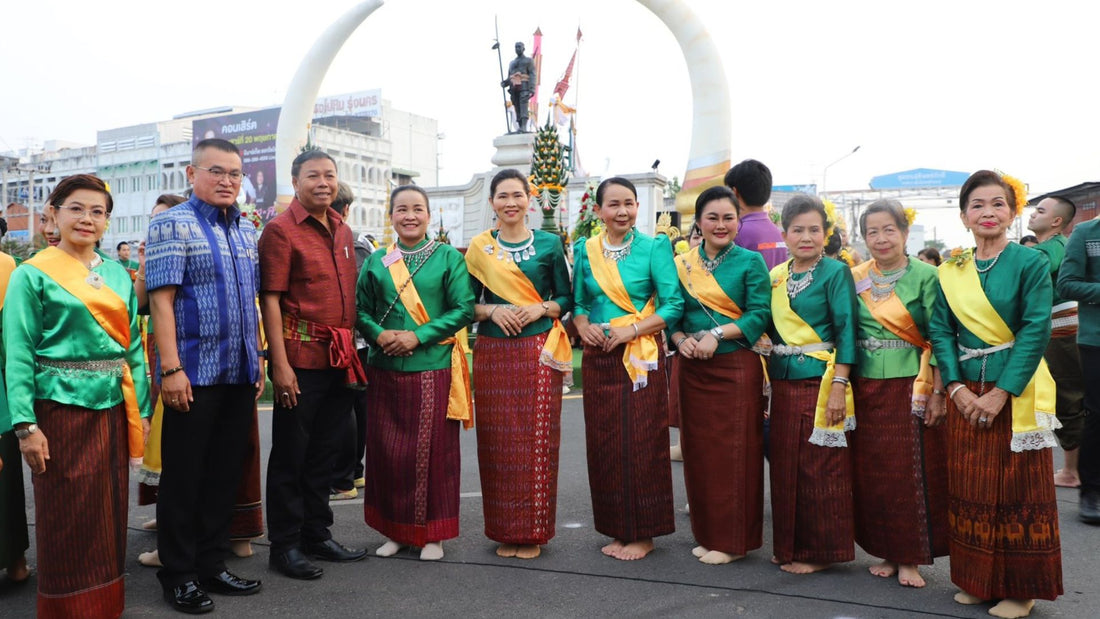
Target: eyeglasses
{"type": "Point", "coordinates": [76, 211]}
{"type": "Point", "coordinates": [220, 174]}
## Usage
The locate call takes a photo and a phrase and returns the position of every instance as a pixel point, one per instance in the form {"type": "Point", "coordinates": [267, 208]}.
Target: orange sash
{"type": "Point", "coordinates": [892, 314]}
{"type": "Point", "coordinates": [459, 401]}
{"type": "Point", "coordinates": [508, 282]}
{"type": "Point", "coordinates": [640, 356]}
{"type": "Point", "coordinates": [702, 286]}
{"type": "Point", "coordinates": [112, 314]}
{"type": "Point", "coordinates": [7, 265]}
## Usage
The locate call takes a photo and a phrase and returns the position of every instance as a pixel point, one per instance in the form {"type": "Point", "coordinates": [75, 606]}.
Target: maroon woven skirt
{"type": "Point", "coordinates": [412, 453]}
{"type": "Point", "coordinates": [811, 486]}
{"type": "Point", "coordinates": [518, 401]}
{"type": "Point", "coordinates": [626, 435]}
{"type": "Point", "coordinates": [722, 418]}
{"type": "Point", "coordinates": [1003, 512]}
{"type": "Point", "coordinates": [899, 469]}
{"type": "Point", "coordinates": [80, 505]}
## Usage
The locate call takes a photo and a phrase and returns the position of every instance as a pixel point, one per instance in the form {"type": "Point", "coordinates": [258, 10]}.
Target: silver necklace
{"type": "Point", "coordinates": [710, 264]}
{"type": "Point", "coordinates": [794, 288]}
{"type": "Point", "coordinates": [416, 258]}
{"type": "Point", "coordinates": [995, 259]}
{"type": "Point", "coordinates": [95, 280]}
{"type": "Point", "coordinates": [882, 285]}
{"type": "Point", "coordinates": [616, 253]}
{"type": "Point", "coordinates": [520, 253]}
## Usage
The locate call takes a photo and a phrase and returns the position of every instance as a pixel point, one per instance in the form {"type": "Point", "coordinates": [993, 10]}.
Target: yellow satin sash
{"type": "Point", "coordinates": [892, 314]}
{"type": "Point", "coordinates": [459, 402]}
{"type": "Point", "coordinates": [641, 354]}
{"type": "Point", "coordinates": [508, 282]}
{"type": "Point", "coordinates": [112, 314]}
{"type": "Point", "coordinates": [1033, 410]}
{"type": "Point", "coordinates": [795, 332]}
{"type": "Point", "coordinates": [7, 265]}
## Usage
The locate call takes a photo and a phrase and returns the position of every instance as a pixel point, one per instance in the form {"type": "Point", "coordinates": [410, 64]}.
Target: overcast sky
{"type": "Point", "coordinates": [958, 85]}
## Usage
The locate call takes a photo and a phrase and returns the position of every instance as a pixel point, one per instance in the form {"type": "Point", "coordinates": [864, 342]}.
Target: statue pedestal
{"type": "Point", "coordinates": [514, 151]}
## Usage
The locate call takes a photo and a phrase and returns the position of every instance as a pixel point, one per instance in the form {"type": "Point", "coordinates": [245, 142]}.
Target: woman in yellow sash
{"type": "Point", "coordinates": [521, 357]}
{"type": "Point", "coordinates": [727, 306]}
{"type": "Point", "coordinates": [414, 303]}
{"type": "Point", "coordinates": [899, 451]}
{"type": "Point", "coordinates": [625, 293]}
{"type": "Point", "coordinates": [814, 345]}
{"type": "Point", "coordinates": [989, 329]}
{"type": "Point", "coordinates": [79, 400]}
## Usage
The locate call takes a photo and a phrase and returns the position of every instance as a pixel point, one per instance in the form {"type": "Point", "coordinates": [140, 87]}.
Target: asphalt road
{"type": "Point", "coordinates": [572, 578]}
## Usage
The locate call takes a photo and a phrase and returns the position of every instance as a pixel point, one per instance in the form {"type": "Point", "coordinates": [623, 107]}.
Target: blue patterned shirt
{"type": "Point", "coordinates": [213, 261]}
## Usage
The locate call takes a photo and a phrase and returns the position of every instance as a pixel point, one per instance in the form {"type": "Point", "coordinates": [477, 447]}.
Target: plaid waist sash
{"type": "Point", "coordinates": [341, 348]}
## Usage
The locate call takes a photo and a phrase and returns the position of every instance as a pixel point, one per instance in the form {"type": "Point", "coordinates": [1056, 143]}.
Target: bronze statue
{"type": "Point", "coordinates": [521, 86]}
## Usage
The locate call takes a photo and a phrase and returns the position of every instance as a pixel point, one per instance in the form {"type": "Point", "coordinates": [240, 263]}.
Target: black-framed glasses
{"type": "Point", "coordinates": [219, 174]}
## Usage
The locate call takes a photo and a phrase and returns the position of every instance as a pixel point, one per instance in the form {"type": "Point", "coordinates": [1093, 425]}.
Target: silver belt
{"type": "Point", "coordinates": [782, 350]}
{"type": "Point", "coordinates": [1064, 321]}
{"type": "Point", "coordinates": [101, 366]}
{"type": "Point", "coordinates": [975, 353]}
{"type": "Point", "coordinates": [873, 344]}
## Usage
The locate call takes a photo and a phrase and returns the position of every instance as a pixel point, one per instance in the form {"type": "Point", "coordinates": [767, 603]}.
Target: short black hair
{"type": "Point", "coordinates": [752, 180]}
{"type": "Point", "coordinates": [800, 204]}
{"type": "Point", "coordinates": [309, 155]}
{"type": "Point", "coordinates": [119, 246]}
{"type": "Point", "coordinates": [217, 144]}
{"type": "Point", "coordinates": [710, 194]}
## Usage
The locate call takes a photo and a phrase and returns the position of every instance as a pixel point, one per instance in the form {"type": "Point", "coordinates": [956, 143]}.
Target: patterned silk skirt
{"type": "Point", "coordinates": [81, 511]}
{"type": "Point", "coordinates": [1003, 512]}
{"type": "Point", "coordinates": [518, 403]}
{"type": "Point", "coordinates": [722, 419]}
{"type": "Point", "coordinates": [811, 486]}
{"type": "Point", "coordinates": [626, 435]}
{"type": "Point", "coordinates": [899, 475]}
{"type": "Point", "coordinates": [413, 464]}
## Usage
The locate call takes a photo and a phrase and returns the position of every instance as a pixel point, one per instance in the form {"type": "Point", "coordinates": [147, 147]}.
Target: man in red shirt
{"type": "Point", "coordinates": [307, 296]}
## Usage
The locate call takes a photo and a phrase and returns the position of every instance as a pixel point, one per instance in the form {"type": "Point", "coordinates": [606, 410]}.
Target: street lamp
{"type": "Point", "coordinates": [825, 172]}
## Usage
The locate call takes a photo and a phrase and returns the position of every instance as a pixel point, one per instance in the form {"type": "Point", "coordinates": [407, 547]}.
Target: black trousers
{"type": "Point", "coordinates": [203, 452]}
{"type": "Point", "coordinates": [1089, 464]}
{"type": "Point", "coordinates": [306, 442]}
{"type": "Point", "coordinates": [349, 466]}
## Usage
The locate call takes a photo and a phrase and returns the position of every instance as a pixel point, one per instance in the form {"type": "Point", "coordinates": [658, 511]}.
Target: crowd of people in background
{"type": "Point", "coordinates": [905, 404]}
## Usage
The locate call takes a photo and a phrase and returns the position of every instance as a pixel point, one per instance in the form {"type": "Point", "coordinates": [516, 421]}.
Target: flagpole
{"type": "Point", "coordinates": [576, 102]}
{"type": "Point", "coordinates": [500, 65]}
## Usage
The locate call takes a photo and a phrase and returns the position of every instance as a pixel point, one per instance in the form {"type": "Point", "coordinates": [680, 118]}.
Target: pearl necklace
{"type": "Point", "coordinates": [616, 253]}
{"type": "Point", "coordinates": [794, 288]}
{"type": "Point", "coordinates": [995, 259]}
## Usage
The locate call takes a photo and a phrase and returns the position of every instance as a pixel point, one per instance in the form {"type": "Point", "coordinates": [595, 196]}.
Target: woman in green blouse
{"type": "Point", "coordinates": [79, 401]}
{"type": "Point", "coordinates": [625, 293]}
{"type": "Point", "coordinates": [814, 346]}
{"type": "Point", "coordinates": [727, 306]}
{"type": "Point", "coordinates": [899, 452]}
{"type": "Point", "coordinates": [521, 356]}
{"type": "Point", "coordinates": [990, 326]}
{"type": "Point", "coordinates": [414, 303]}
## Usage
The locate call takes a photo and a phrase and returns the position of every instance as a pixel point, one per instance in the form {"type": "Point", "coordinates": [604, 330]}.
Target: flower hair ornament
{"type": "Point", "coordinates": [831, 218]}
{"type": "Point", "coordinates": [1018, 188]}
{"type": "Point", "coordinates": [910, 215]}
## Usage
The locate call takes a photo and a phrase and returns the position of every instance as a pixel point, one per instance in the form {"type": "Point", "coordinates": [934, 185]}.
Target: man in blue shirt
{"type": "Point", "coordinates": [202, 276]}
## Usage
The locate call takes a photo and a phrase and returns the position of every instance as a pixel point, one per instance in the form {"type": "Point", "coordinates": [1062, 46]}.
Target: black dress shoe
{"type": "Point", "coordinates": [331, 550]}
{"type": "Point", "coordinates": [1089, 508]}
{"type": "Point", "coordinates": [294, 564]}
{"type": "Point", "coordinates": [230, 584]}
{"type": "Point", "coordinates": [189, 598]}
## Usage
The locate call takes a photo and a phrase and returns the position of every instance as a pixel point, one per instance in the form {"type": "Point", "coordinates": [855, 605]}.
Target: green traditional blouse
{"type": "Point", "coordinates": [828, 305]}
{"type": "Point", "coordinates": [1055, 250]}
{"type": "Point", "coordinates": [1019, 289]}
{"type": "Point", "coordinates": [44, 323]}
{"type": "Point", "coordinates": [1079, 279]}
{"type": "Point", "coordinates": [443, 284]}
{"type": "Point", "coordinates": [743, 276]}
{"type": "Point", "coordinates": [648, 270]}
{"type": "Point", "coordinates": [547, 271]}
{"type": "Point", "coordinates": [917, 292]}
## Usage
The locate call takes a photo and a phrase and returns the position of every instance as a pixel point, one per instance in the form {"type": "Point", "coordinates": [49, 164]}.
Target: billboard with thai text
{"type": "Point", "coordinates": [366, 103]}
{"type": "Point", "coordinates": [254, 134]}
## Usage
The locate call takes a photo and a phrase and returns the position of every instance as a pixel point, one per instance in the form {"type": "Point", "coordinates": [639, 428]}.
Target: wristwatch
{"type": "Point", "coordinates": [27, 431]}
{"type": "Point", "coordinates": [718, 333]}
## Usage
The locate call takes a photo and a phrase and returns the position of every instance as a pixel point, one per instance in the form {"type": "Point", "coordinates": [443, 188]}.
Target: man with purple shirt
{"type": "Point", "coordinates": [751, 182]}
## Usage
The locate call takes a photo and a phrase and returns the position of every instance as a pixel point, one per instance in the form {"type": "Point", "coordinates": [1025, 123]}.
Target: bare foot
{"type": "Point", "coordinates": [528, 551]}
{"type": "Point", "coordinates": [634, 550]}
{"type": "Point", "coordinates": [676, 453]}
{"type": "Point", "coordinates": [1012, 609]}
{"type": "Point", "coordinates": [775, 560]}
{"type": "Point", "coordinates": [612, 548]}
{"type": "Point", "coordinates": [966, 599]}
{"type": "Point", "coordinates": [1066, 479]}
{"type": "Point", "coordinates": [909, 576]}
{"type": "Point", "coordinates": [717, 557]}
{"type": "Point", "coordinates": [18, 571]}
{"type": "Point", "coordinates": [150, 525]}
{"type": "Point", "coordinates": [388, 549]}
{"type": "Point", "coordinates": [432, 552]}
{"type": "Point", "coordinates": [801, 567]}
{"type": "Point", "coordinates": [699, 551]}
{"type": "Point", "coordinates": [241, 547]}
{"type": "Point", "coordinates": [506, 550]}
{"type": "Point", "coordinates": [885, 569]}
{"type": "Point", "coordinates": [150, 559]}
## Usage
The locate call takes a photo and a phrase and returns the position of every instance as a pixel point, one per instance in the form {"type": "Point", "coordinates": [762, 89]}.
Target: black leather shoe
{"type": "Point", "coordinates": [1089, 508]}
{"type": "Point", "coordinates": [189, 598]}
{"type": "Point", "coordinates": [294, 564]}
{"type": "Point", "coordinates": [331, 550]}
{"type": "Point", "coordinates": [230, 584]}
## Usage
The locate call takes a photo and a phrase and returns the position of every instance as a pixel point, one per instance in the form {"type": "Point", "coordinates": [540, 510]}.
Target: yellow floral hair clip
{"type": "Point", "coordinates": [1018, 188]}
{"type": "Point", "coordinates": [910, 215]}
